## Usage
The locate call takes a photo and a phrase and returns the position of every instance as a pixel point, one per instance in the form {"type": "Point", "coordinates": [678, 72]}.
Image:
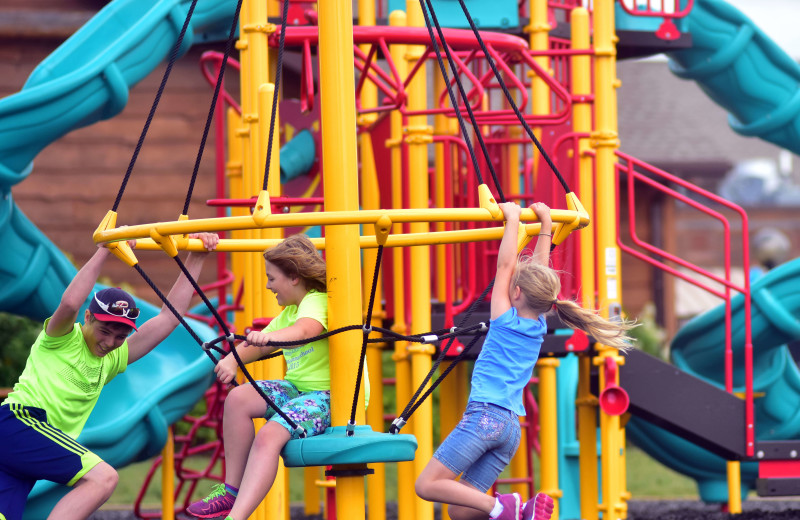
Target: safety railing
{"type": "Point", "coordinates": [669, 10]}
{"type": "Point", "coordinates": [634, 171]}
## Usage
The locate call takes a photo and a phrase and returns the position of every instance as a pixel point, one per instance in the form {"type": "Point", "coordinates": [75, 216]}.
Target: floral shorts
{"type": "Point", "coordinates": [482, 444]}
{"type": "Point", "coordinates": [311, 410]}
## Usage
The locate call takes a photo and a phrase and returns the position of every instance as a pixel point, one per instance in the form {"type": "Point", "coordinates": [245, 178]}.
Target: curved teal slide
{"type": "Point", "coordinates": [746, 73]}
{"type": "Point", "coordinates": [85, 80]}
{"type": "Point", "coordinates": [698, 350]}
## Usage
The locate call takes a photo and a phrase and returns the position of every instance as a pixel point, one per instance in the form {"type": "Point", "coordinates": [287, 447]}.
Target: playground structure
{"type": "Point", "coordinates": [392, 113]}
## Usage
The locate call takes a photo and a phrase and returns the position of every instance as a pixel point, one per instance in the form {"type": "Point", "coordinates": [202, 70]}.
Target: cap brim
{"type": "Point", "coordinates": [116, 319]}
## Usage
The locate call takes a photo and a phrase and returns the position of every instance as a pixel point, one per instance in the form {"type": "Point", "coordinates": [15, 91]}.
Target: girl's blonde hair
{"type": "Point", "coordinates": [296, 256]}
{"type": "Point", "coordinates": [540, 285]}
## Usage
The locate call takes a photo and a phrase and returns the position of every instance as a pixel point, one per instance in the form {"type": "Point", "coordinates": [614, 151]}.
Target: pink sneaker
{"type": "Point", "coordinates": [539, 507]}
{"type": "Point", "coordinates": [218, 503]}
{"type": "Point", "coordinates": [511, 506]}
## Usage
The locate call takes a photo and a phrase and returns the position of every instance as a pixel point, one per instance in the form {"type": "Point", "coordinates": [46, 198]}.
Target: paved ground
{"type": "Point", "coordinates": [638, 510]}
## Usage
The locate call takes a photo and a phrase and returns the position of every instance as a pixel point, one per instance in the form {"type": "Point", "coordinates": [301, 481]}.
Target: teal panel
{"type": "Point", "coordinates": [335, 447]}
{"type": "Point", "coordinates": [500, 14]}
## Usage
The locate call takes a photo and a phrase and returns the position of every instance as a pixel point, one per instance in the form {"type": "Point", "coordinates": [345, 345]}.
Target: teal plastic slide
{"type": "Point", "coordinates": [745, 72]}
{"type": "Point", "coordinates": [698, 349]}
{"type": "Point", "coordinates": [85, 80]}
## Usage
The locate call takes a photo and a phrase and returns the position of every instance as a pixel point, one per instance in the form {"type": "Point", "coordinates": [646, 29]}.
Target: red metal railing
{"type": "Point", "coordinates": [635, 171]}
{"type": "Point", "coordinates": [669, 10]}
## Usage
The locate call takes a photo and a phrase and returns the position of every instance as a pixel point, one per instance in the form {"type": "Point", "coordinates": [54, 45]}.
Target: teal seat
{"type": "Point", "coordinates": [334, 447]}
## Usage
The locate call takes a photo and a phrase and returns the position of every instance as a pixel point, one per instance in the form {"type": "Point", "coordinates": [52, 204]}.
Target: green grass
{"type": "Point", "coordinates": [647, 479]}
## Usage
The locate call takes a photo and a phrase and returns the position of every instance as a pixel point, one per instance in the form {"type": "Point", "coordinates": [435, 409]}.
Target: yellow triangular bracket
{"type": "Point", "coordinates": [167, 243]}
{"type": "Point", "coordinates": [382, 229]}
{"type": "Point", "coordinates": [263, 208]}
{"type": "Point", "coordinates": [119, 249]}
{"type": "Point", "coordinates": [487, 201]}
{"type": "Point", "coordinates": [525, 234]}
{"type": "Point", "coordinates": [563, 229]}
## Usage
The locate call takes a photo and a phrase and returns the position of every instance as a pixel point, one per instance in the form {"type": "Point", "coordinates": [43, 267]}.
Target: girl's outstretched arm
{"type": "Point", "coordinates": [541, 253]}
{"type": "Point", "coordinates": [506, 260]}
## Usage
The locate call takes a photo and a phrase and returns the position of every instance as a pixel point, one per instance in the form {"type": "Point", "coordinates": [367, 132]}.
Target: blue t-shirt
{"type": "Point", "coordinates": [506, 361]}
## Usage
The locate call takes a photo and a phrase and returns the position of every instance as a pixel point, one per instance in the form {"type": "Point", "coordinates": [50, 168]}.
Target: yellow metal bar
{"type": "Point", "coordinates": [605, 141]}
{"type": "Point", "coordinates": [440, 127]}
{"type": "Point", "coordinates": [585, 402]}
{"type": "Point", "coordinates": [548, 430]}
{"type": "Point", "coordinates": [734, 487]}
{"type": "Point", "coordinates": [234, 173]}
{"type": "Point", "coordinates": [366, 242]}
{"type": "Point", "coordinates": [403, 389]}
{"type": "Point", "coordinates": [370, 199]}
{"type": "Point", "coordinates": [168, 478]}
{"type": "Point", "coordinates": [539, 40]}
{"type": "Point", "coordinates": [311, 490]}
{"type": "Point", "coordinates": [418, 136]}
{"type": "Point", "coordinates": [339, 154]}
{"type": "Point", "coordinates": [571, 219]}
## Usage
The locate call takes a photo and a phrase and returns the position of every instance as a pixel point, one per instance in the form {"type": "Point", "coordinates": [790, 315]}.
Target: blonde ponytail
{"type": "Point", "coordinates": [611, 333]}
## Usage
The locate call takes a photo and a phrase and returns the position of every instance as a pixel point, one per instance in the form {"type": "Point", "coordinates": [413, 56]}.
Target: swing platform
{"type": "Point", "coordinates": [333, 447]}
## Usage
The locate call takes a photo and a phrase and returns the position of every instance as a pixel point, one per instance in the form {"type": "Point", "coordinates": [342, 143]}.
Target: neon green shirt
{"type": "Point", "coordinates": [308, 366]}
{"type": "Point", "coordinates": [64, 378]}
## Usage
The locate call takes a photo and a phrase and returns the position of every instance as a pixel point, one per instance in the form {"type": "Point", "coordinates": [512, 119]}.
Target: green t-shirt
{"type": "Point", "coordinates": [308, 366]}
{"type": "Point", "coordinates": [64, 378]}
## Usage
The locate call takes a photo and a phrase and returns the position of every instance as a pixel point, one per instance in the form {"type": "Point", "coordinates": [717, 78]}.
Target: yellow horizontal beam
{"type": "Point", "coordinates": [284, 220]}
{"type": "Point", "coordinates": [366, 242]}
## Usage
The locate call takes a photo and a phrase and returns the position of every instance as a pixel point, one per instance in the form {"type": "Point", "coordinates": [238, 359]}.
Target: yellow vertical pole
{"type": "Point", "coordinates": [586, 402]}
{"type": "Point", "coordinates": [403, 390]}
{"type": "Point", "coordinates": [370, 199]}
{"type": "Point", "coordinates": [605, 141]}
{"type": "Point", "coordinates": [418, 135]}
{"type": "Point", "coordinates": [256, 112]}
{"type": "Point", "coordinates": [234, 171]}
{"type": "Point", "coordinates": [441, 126]}
{"type": "Point", "coordinates": [168, 478]}
{"type": "Point", "coordinates": [548, 430]}
{"type": "Point", "coordinates": [734, 487]}
{"type": "Point", "coordinates": [339, 155]}
{"type": "Point", "coordinates": [247, 133]}
{"type": "Point", "coordinates": [311, 491]}
{"type": "Point", "coordinates": [449, 410]}
{"type": "Point", "coordinates": [277, 501]}
{"type": "Point", "coordinates": [539, 40]}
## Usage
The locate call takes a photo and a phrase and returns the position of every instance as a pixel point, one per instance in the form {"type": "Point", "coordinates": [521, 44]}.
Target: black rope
{"type": "Point", "coordinates": [457, 79]}
{"type": "Point", "coordinates": [227, 332]}
{"type": "Point", "coordinates": [367, 329]}
{"type": "Point", "coordinates": [210, 118]}
{"type": "Point", "coordinates": [172, 58]}
{"type": "Point", "coordinates": [390, 335]}
{"type": "Point", "coordinates": [444, 374]}
{"type": "Point", "coordinates": [279, 67]}
{"type": "Point", "coordinates": [510, 99]}
{"type": "Point", "coordinates": [171, 308]}
{"type": "Point", "coordinates": [413, 404]}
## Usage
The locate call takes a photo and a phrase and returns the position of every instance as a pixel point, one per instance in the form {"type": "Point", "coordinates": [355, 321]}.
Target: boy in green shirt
{"type": "Point", "coordinates": [67, 368]}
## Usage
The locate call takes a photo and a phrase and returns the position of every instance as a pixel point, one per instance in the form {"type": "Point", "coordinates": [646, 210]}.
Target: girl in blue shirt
{"type": "Point", "coordinates": [482, 444]}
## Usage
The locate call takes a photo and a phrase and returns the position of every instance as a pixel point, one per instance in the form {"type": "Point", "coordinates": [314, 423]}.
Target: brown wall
{"type": "Point", "coordinates": [76, 179]}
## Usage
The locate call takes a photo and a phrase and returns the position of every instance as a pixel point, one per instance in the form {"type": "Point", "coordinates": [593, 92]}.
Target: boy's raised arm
{"type": "Point", "coordinates": [65, 316]}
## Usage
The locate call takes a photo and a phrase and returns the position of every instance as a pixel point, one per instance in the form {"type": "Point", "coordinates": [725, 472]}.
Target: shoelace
{"type": "Point", "coordinates": [216, 491]}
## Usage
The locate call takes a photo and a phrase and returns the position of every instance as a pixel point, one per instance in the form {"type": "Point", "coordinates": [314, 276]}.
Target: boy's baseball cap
{"type": "Point", "coordinates": [114, 304]}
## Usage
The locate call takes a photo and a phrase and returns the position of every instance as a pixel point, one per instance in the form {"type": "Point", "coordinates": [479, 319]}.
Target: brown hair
{"type": "Point", "coordinates": [540, 285]}
{"type": "Point", "coordinates": [296, 256]}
